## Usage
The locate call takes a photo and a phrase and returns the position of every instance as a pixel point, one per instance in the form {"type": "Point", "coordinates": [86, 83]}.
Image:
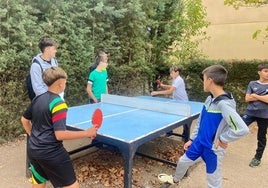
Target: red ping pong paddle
{"type": "Point", "coordinates": [97, 118]}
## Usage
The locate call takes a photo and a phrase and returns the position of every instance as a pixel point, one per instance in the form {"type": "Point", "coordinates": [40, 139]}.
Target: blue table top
{"type": "Point", "coordinates": [126, 123]}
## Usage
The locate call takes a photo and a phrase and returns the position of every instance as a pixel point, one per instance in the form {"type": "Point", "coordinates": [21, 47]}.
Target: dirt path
{"type": "Point", "coordinates": [236, 172]}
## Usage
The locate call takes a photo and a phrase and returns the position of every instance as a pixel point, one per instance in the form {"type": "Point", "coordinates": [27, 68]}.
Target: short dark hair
{"type": "Point", "coordinates": [45, 42]}
{"type": "Point", "coordinates": [175, 69]}
{"type": "Point", "coordinates": [217, 73]}
{"type": "Point", "coordinates": [262, 66]}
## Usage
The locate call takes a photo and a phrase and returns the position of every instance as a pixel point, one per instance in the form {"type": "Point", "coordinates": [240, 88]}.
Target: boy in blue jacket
{"type": "Point", "coordinates": [217, 125]}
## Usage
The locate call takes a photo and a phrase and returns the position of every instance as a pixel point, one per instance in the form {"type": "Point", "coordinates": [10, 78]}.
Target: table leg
{"type": "Point", "coordinates": [128, 154]}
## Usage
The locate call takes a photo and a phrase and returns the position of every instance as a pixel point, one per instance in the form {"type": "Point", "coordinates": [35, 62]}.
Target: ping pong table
{"type": "Point", "coordinates": [129, 122]}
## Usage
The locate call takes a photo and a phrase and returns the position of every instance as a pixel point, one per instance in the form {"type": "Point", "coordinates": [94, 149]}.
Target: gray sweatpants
{"type": "Point", "coordinates": [213, 164]}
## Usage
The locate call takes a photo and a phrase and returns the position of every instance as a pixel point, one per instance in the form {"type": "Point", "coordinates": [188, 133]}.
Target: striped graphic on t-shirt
{"type": "Point", "coordinates": [58, 109]}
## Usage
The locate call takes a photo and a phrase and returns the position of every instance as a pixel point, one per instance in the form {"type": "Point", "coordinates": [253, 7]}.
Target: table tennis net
{"type": "Point", "coordinates": [147, 104]}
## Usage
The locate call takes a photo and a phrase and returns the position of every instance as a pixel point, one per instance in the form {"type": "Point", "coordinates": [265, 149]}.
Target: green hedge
{"type": "Point", "coordinates": [137, 34]}
{"type": "Point", "coordinates": [240, 73]}
{"type": "Point", "coordinates": [124, 80]}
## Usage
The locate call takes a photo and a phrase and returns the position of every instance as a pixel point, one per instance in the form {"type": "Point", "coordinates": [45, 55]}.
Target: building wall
{"type": "Point", "coordinates": [231, 31]}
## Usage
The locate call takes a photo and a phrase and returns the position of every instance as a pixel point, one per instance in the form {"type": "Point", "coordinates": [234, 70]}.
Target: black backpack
{"type": "Point", "coordinates": [31, 93]}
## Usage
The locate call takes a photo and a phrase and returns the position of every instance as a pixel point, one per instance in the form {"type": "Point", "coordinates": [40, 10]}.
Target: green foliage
{"type": "Point", "coordinates": [138, 34]}
{"type": "Point", "coordinates": [16, 22]}
{"type": "Point", "coordinates": [256, 33]}
{"type": "Point", "coordinates": [238, 3]}
{"type": "Point", "coordinates": [128, 81]}
{"type": "Point", "coordinates": [261, 35]}
{"type": "Point", "coordinates": [193, 21]}
{"type": "Point", "coordinates": [240, 73]}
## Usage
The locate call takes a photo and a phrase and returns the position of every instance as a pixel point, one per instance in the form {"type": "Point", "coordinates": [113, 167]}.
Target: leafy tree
{"type": "Point", "coordinates": [139, 34]}
{"type": "Point", "coordinates": [81, 28]}
{"type": "Point", "coordinates": [193, 24]}
{"type": "Point", "coordinates": [175, 30]}
{"type": "Point", "coordinates": [161, 28]}
{"type": "Point", "coordinates": [18, 29]}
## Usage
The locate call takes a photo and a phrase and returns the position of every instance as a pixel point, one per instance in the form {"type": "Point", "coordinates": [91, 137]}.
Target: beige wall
{"type": "Point", "coordinates": [231, 31]}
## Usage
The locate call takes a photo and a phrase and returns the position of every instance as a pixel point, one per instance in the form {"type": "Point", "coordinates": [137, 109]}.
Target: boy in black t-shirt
{"type": "Point", "coordinates": [257, 110]}
{"type": "Point", "coordinates": [45, 123]}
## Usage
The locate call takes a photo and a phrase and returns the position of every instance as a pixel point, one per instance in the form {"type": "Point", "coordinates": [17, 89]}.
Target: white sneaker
{"type": "Point", "coordinates": [166, 178]}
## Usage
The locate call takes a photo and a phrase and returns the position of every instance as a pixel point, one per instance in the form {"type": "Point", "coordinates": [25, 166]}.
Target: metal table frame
{"type": "Point", "coordinates": [128, 150]}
